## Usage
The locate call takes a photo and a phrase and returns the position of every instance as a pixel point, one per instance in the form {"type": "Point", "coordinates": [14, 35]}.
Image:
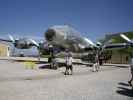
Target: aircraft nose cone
{"type": "Point", "coordinates": [49, 34]}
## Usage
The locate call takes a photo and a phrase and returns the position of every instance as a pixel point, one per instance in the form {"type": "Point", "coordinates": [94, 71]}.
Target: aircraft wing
{"type": "Point", "coordinates": [5, 40]}
{"type": "Point", "coordinates": [116, 46]}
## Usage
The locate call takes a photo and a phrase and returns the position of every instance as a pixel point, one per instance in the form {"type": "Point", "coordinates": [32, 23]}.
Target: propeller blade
{"type": "Point", "coordinates": [34, 42]}
{"type": "Point", "coordinates": [11, 38]}
{"type": "Point", "coordinates": [125, 37]}
{"type": "Point", "coordinates": [89, 41]}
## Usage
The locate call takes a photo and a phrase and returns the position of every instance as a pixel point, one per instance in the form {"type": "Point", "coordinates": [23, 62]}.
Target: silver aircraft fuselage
{"type": "Point", "coordinates": [67, 38]}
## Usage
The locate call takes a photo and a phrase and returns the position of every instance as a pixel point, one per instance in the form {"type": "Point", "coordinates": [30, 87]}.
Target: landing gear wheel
{"type": "Point", "coordinates": [49, 60]}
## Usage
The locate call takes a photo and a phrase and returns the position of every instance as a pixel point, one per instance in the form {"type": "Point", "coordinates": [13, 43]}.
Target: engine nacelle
{"type": "Point", "coordinates": [54, 35]}
{"type": "Point", "coordinates": [23, 44]}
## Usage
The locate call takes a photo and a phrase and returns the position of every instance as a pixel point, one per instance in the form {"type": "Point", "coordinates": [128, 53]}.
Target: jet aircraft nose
{"type": "Point", "coordinates": [50, 34]}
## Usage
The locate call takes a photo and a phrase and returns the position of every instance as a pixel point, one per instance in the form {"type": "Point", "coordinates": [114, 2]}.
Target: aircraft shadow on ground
{"type": "Point", "coordinates": [47, 66]}
{"type": "Point", "coordinates": [37, 62]}
{"type": "Point", "coordinates": [41, 62]}
{"type": "Point", "coordinates": [119, 66]}
{"type": "Point", "coordinates": [124, 89]}
{"type": "Point", "coordinates": [122, 66]}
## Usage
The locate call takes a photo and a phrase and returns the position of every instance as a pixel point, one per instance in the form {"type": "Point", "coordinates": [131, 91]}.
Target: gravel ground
{"type": "Point", "coordinates": [20, 83]}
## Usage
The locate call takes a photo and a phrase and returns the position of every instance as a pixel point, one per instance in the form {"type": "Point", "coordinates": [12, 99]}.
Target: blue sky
{"type": "Point", "coordinates": [92, 18]}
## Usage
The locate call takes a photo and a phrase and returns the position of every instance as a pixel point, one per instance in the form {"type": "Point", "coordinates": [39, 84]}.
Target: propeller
{"type": "Point", "coordinates": [38, 48]}
{"type": "Point", "coordinates": [11, 38]}
{"type": "Point", "coordinates": [34, 42]}
{"type": "Point", "coordinates": [125, 38]}
{"type": "Point", "coordinates": [13, 41]}
{"type": "Point", "coordinates": [89, 41]}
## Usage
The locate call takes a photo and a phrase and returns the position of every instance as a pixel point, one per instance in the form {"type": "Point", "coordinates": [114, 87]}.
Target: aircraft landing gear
{"type": "Point", "coordinates": [100, 62]}
{"type": "Point", "coordinates": [53, 63]}
{"type": "Point", "coordinates": [53, 66]}
{"type": "Point", "coordinates": [49, 59]}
